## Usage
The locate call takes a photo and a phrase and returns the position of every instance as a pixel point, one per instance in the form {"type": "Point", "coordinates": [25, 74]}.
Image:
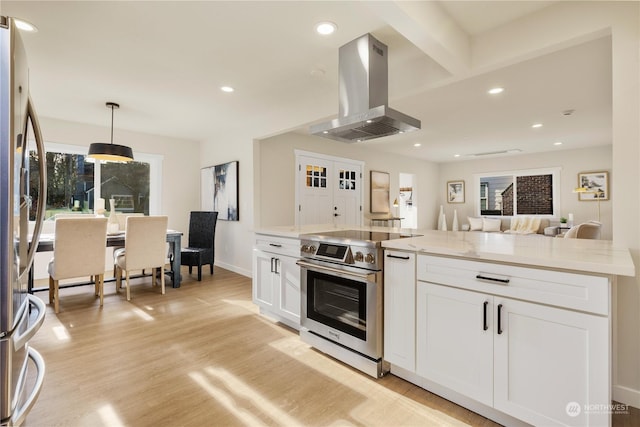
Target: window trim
{"type": "Point", "coordinates": [155, 162]}
{"type": "Point", "coordinates": [554, 172]}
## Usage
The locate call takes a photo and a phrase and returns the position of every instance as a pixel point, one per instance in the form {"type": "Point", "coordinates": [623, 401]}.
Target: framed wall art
{"type": "Point", "coordinates": [593, 186]}
{"type": "Point", "coordinates": [455, 192]}
{"type": "Point", "coordinates": [219, 190]}
{"type": "Point", "coordinates": [380, 192]}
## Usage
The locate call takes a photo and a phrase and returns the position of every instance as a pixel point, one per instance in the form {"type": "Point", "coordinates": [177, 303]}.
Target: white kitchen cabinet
{"type": "Point", "coordinates": [528, 359]}
{"type": "Point", "coordinates": [276, 278]}
{"type": "Point", "coordinates": [455, 340]}
{"type": "Point", "coordinates": [550, 361]}
{"type": "Point", "coordinates": [399, 309]}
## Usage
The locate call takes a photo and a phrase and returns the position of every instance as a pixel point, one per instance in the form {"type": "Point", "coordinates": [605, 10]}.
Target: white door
{"type": "Point", "coordinates": [551, 365]}
{"type": "Point", "coordinates": [289, 300]}
{"type": "Point", "coordinates": [346, 193]}
{"type": "Point", "coordinates": [263, 282]}
{"type": "Point", "coordinates": [399, 309]}
{"type": "Point", "coordinates": [455, 340]}
{"type": "Point", "coordinates": [328, 190]}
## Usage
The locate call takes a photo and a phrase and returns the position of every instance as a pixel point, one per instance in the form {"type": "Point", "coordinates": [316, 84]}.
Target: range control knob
{"type": "Point", "coordinates": [312, 249]}
{"type": "Point", "coordinates": [370, 258]}
{"type": "Point", "coordinates": [304, 249]}
{"type": "Point", "coordinates": [359, 256]}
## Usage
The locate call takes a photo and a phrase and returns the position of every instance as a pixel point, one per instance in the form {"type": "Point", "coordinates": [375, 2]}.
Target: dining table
{"type": "Point", "coordinates": [174, 238]}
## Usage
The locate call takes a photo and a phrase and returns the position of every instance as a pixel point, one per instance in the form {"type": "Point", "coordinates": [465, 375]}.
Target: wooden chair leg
{"type": "Point", "coordinates": [100, 281]}
{"type": "Point", "coordinates": [56, 300]}
{"type": "Point", "coordinates": [211, 267]}
{"type": "Point", "coordinates": [126, 275]}
{"type": "Point", "coordinates": [199, 272]}
{"type": "Point", "coordinates": [162, 279]}
{"type": "Point", "coordinates": [50, 289]}
{"type": "Point", "coordinates": [118, 274]}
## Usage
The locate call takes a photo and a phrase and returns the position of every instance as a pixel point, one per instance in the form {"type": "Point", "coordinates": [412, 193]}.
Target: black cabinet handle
{"type": "Point", "coordinates": [485, 326]}
{"type": "Point", "coordinates": [499, 319]}
{"type": "Point", "coordinates": [398, 257]}
{"type": "Point", "coordinates": [275, 245]}
{"type": "Point", "coordinates": [491, 279]}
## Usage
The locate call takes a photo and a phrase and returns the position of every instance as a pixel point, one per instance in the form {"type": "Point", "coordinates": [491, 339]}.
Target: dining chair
{"type": "Point", "coordinates": [201, 246]}
{"type": "Point", "coordinates": [586, 230]}
{"type": "Point", "coordinates": [144, 247]}
{"type": "Point", "coordinates": [79, 249]}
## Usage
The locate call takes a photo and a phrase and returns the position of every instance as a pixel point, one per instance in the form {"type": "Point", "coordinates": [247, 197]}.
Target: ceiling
{"type": "Point", "coordinates": [164, 63]}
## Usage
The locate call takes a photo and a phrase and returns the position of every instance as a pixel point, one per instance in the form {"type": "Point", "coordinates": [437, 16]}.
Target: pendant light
{"type": "Point", "coordinates": [110, 152]}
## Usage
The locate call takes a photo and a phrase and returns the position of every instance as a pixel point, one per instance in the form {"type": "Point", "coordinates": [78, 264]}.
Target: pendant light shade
{"type": "Point", "coordinates": [110, 152]}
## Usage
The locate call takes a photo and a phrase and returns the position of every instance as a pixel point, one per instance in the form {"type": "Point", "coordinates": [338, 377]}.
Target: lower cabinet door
{"type": "Point", "coordinates": [263, 281]}
{"type": "Point", "coordinates": [455, 339]}
{"type": "Point", "coordinates": [289, 288]}
{"type": "Point", "coordinates": [551, 365]}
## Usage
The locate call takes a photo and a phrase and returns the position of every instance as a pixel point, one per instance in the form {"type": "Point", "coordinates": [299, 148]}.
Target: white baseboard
{"type": "Point", "coordinates": [233, 268]}
{"type": "Point", "coordinates": [626, 395]}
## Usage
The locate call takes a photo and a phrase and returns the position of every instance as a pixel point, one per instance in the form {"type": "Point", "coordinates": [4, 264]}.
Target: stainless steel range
{"type": "Point", "coordinates": [341, 282]}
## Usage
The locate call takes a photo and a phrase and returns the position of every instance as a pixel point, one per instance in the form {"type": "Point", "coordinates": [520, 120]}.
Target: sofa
{"type": "Point", "coordinates": [511, 225]}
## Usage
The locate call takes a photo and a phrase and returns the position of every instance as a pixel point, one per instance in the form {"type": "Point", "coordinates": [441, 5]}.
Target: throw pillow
{"type": "Point", "coordinates": [475, 224]}
{"type": "Point", "coordinates": [489, 224]}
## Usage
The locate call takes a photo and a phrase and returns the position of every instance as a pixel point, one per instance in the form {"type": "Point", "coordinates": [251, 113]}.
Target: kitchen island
{"type": "Point", "coordinates": [517, 328]}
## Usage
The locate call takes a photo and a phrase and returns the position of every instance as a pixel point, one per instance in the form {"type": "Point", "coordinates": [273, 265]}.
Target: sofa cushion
{"type": "Point", "coordinates": [489, 224]}
{"type": "Point", "coordinates": [475, 224]}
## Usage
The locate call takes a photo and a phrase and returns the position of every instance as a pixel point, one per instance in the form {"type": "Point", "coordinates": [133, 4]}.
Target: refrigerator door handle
{"type": "Point", "coordinates": [20, 414]}
{"type": "Point", "coordinates": [20, 340]}
{"type": "Point", "coordinates": [42, 194]}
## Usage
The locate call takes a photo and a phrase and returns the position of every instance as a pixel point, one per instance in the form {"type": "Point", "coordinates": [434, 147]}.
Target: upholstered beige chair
{"type": "Point", "coordinates": [79, 250]}
{"type": "Point", "coordinates": [586, 230]}
{"type": "Point", "coordinates": [145, 247]}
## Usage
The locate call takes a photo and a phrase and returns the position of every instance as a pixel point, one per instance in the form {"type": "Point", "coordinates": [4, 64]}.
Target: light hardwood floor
{"type": "Point", "coordinates": [201, 355]}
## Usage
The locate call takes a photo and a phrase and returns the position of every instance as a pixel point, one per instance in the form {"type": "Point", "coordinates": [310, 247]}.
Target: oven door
{"type": "Point", "coordinates": [343, 306]}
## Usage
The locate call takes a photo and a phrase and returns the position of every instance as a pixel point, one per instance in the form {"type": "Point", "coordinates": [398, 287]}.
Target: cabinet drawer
{"type": "Point", "coordinates": [278, 245]}
{"type": "Point", "coordinates": [569, 290]}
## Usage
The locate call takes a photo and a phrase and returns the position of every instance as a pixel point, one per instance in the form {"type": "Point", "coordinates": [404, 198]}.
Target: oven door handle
{"type": "Point", "coordinates": [369, 277]}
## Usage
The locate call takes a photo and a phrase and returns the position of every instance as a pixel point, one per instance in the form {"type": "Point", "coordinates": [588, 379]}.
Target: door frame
{"type": "Point", "coordinates": [326, 157]}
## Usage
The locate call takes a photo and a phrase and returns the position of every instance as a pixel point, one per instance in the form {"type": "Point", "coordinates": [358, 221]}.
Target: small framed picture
{"type": "Point", "coordinates": [593, 186]}
{"type": "Point", "coordinates": [455, 192]}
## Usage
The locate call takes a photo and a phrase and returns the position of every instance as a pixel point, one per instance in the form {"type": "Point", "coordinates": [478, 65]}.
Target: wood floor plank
{"type": "Point", "coordinates": [201, 355]}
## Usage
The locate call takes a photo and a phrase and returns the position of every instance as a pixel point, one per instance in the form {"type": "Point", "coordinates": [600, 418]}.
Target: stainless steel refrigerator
{"type": "Point", "coordinates": [21, 367]}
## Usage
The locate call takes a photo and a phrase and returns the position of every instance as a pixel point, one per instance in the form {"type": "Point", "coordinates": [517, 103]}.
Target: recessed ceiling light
{"type": "Point", "coordinates": [456, 155]}
{"type": "Point", "coordinates": [495, 90]}
{"type": "Point", "coordinates": [557, 143]}
{"type": "Point", "coordinates": [25, 26]}
{"type": "Point", "coordinates": [417, 144]}
{"type": "Point", "coordinates": [536, 125]}
{"type": "Point", "coordinates": [227, 89]}
{"type": "Point", "coordinates": [326, 28]}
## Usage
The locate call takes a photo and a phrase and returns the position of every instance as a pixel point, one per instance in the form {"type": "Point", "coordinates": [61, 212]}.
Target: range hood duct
{"type": "Point", "coordinates": [363, 91]}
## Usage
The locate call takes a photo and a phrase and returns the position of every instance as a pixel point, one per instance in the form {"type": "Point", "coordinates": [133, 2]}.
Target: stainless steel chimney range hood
{"type": "Point", "coordinates": [363, 93]}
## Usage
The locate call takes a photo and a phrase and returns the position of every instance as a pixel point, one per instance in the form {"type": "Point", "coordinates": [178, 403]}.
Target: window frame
{"type": "Point", "coordinates": [155, 171]}
{"type": "Point", "coordinates": [556, 187]}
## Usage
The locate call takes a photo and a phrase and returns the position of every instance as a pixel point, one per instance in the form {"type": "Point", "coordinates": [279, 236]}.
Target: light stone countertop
{"type": "Point", "coordinates": [584, 255]}
{"type": "Point", "coordinates": [534, 250]}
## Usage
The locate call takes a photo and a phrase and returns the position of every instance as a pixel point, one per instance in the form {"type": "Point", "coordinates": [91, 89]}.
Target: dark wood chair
{"type": "Point", "coordinates": [201, 248]}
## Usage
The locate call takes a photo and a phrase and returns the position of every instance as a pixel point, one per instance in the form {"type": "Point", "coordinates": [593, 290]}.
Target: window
{"type": "Point", "coordinates": [526, 192]}
{"type": "Point", "coordinates": [75, 181]}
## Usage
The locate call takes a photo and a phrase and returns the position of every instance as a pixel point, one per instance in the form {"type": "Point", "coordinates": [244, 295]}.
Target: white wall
{"type": "Point", "coordinates": [275, 179]}
{"type": "Point", "coordinates": [571, 163]}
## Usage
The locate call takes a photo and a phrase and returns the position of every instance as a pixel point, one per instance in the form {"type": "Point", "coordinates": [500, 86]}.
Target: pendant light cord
{"type": "Point", "coordinates": [112, 124]}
